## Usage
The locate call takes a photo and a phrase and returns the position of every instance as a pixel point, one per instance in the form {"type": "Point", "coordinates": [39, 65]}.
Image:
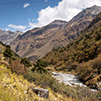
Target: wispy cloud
{"type": "Point", "coordinates": [29, 19]}
{"type": "Point", "coordinates": [32, 25]}
{"type": "Point", "coordinates": [46, 0]}
{"type": "Point", "coordinates": [26, 5]}
{"type": "Point", "coordinates": [20, 27]}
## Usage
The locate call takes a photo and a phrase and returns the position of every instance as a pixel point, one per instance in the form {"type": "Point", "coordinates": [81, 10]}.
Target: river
{"type": "Point", "coordinates": [69, 79]}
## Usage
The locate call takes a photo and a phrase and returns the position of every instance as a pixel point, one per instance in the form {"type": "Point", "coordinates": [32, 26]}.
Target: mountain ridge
{"type": "Point", "coordinates": [7, 36]}
{"type": "Point", "coordinates": [34, 44]}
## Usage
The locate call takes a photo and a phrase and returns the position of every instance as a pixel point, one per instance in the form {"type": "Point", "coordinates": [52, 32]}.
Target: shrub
{"type": "Point", "coordinates": [26, 62]}
{"type": "Point", "coordinates": [39, 66]}
{"type": "Point", "coordinates": [7, 46]}
{"type": "Point", "coordinates": [39, 69]}
{"type": "Point", "coordinates": [17, 67]}
{"type": "Point", "coordinates": [41, 63]}
{"type": "Point", "coordinates": [8, 52]}
{"type": "Point", "coordinates": [13, 58]}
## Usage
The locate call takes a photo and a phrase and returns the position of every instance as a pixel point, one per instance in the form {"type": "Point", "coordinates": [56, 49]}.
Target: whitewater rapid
{"type": "Point", "coordinates": [68, 79]}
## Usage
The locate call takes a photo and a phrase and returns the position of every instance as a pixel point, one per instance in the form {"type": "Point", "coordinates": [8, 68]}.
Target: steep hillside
{"type": "Point", "coordinates": [35, 43]}
{"type": "Point", "coordinates": [20, 83]}
{"type": "Point", "coordinates": [8, 36]}
{"type": "Point", "coordinates": [82, 56]}
{"type": "Point", "coordinates": [14, 86]}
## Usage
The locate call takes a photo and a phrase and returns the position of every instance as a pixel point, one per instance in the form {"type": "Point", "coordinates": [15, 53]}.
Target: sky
{"type": "Point", "coordinates": [23, 15]}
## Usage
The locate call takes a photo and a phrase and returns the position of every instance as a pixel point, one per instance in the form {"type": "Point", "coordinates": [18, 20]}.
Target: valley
{"type": "Point", "coordinates": [36, 43]}
{"type": "Point", "coordinates": [60, 61]}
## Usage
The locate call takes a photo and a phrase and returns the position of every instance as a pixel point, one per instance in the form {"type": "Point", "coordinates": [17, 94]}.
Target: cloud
{"type": "Point", "coordinates": [32, 25]}
{"type": "Point", "coordinates": [7, 29]}
{"type": "Point", "coordinates": [46, 0]}
{"type": "Point", "coordinates": [20, 27]}
{"type": "Point", "coordinates": [29, 19]}
{"type": "Point", "coordinates": [32, 20]}
{"type": "Point", "coordinates": [26, 5]}
{"type": "Point", "coordinates": [65, 10]}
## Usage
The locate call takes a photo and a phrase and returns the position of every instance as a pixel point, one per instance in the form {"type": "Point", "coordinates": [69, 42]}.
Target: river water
{"type": "Point", "coordinates": [68, 79]}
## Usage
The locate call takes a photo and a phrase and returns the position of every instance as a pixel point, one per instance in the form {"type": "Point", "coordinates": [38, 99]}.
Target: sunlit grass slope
{"type": "Point", "coordinates": [15, 88]}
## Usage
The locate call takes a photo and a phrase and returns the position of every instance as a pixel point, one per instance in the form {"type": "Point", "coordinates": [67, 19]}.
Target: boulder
{"type": "Point", "coordinates": [42, 92]}
{"type": "Point", "coordinates": [99, 98]}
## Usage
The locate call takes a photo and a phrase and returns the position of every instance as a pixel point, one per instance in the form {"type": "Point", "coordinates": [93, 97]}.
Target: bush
{"type": "Point", "coordinates": [39, 69]}
{"type": "Point", "coordinates": [26, 62]}
{"type": "Point", "coordinates": [41, 63]}
{"type": "Point", "coordinates": [39, 66]}
{"type": "Point", "coordinates": [8, 52]}
{"type": "Point", "coordinates": [13, 58]}
{"type": "Point", "coordinates": [17, 67]}
{"type": "Point", "coordinates": [7, 46]}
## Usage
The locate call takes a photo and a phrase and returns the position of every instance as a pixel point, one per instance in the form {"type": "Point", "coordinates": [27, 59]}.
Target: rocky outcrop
{"type": "Point", "coordinates": [42, 92]}
{"type": "Point", "coordinates": [39, 91]}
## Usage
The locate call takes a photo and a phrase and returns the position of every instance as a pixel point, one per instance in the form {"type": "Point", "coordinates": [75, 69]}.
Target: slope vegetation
{"type": "Point", "coordinates": [82, 56]}
{"type": "Point", "coordinates": [17, 81]}
{"type": "Point", "coordinates": [13, 85]}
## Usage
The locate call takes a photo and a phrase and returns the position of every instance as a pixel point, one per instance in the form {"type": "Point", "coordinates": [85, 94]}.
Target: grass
{"type": "Point", "coordinates": [14, 87]}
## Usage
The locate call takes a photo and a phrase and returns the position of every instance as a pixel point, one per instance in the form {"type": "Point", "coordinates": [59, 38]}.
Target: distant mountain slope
{"type": "Point", "coordinates": [35, 43]}
{"type": "Point", "coordinates": [8, 36]}
{"type": "Point", "coordinates": [82, 56]}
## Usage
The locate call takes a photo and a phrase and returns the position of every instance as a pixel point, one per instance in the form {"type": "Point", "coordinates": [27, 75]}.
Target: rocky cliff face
{"type": "Point", "coordinates": [8, 36]}
{"type": "Point", "coordinates": [36, 43]}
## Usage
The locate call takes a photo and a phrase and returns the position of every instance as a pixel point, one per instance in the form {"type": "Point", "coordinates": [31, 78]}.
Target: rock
{"type": "Point", "coordinates": [4, 62]}
{"type": "Point", "coordinates": [99, 88]}
{"type": "Point", "coordinates": [99, 98]}
{"type": "Point", "coordinates": [30, 87]}
{"type": "Point", "coordinates": [42, 92]}
{"type": "Point", "coordinates": [36, 100]}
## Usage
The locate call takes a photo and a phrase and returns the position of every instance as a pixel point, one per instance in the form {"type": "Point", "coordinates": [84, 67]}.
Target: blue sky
{"type": "Point", "coordinates": [13, 12]}
{"type": "Point", "coordinates": [27, 14]}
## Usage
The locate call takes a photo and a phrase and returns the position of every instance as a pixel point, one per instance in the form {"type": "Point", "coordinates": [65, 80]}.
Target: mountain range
{"type": "Point", "coordinates": [35, 43]}
{"type": "Point", "coordinates": [7, 36]}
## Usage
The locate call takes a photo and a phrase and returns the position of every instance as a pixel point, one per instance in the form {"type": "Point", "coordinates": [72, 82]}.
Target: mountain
{"type": "Point", "coordinates": [82, 56]}
{"type": "Point", "coordinates": [37, 42]}
{"type": "Point", "coordinates": [8, 36]}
